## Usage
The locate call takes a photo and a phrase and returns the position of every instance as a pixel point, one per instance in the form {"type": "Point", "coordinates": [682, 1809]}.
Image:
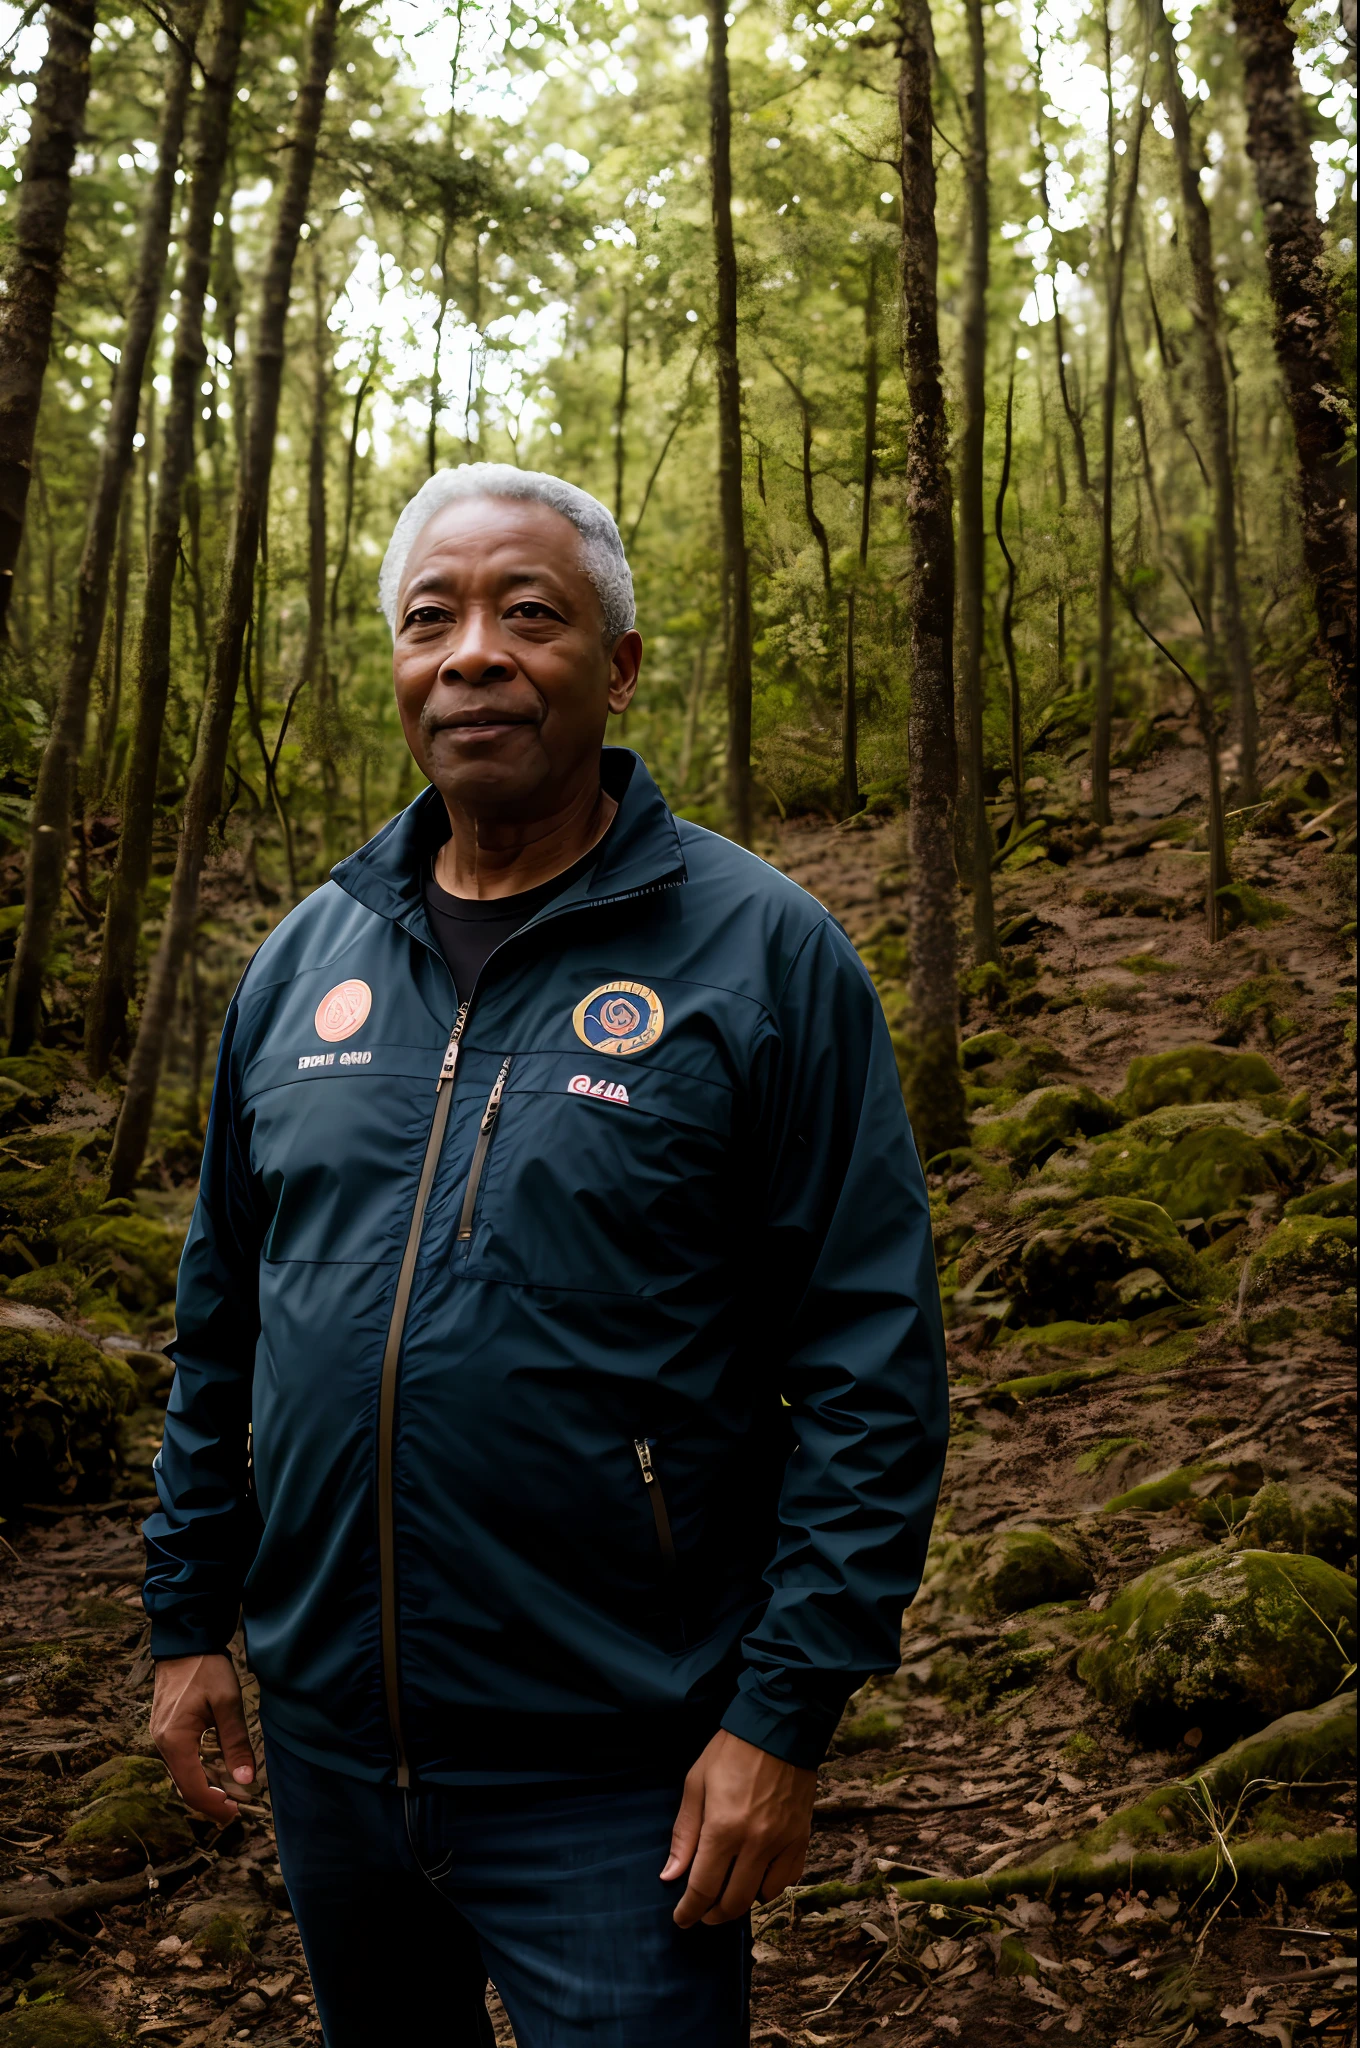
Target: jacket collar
{"type": "Point", "coordinates": [641, 851]}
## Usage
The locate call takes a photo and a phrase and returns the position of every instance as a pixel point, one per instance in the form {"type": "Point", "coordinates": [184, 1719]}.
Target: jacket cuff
{"type": "Point", "coordinates": [171, 1637]}
{"type": "Point", "coordinates": [797, 1731]}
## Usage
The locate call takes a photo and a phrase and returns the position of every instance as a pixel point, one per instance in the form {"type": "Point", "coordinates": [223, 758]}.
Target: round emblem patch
{"type": "Point", "coordinates": [623, 1017]}
{"type": "Point", "coordinates": [340, 1013]}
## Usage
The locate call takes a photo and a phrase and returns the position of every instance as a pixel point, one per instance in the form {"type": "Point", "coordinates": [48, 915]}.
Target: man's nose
{"type": "Point", "coordinates": [477, 652]}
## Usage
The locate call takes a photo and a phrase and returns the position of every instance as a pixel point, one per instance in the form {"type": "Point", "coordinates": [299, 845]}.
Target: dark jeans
{"type": "Point", "coordinates": [407, 1902]}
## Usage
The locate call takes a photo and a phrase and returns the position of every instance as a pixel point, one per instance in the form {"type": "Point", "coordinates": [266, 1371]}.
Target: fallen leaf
{"type": "Point", "coordinates": [1075, 2021]}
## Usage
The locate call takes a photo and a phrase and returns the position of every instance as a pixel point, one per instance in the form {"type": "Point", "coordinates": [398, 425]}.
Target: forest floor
{"type": "Point", "coordinates": [990, 1749]}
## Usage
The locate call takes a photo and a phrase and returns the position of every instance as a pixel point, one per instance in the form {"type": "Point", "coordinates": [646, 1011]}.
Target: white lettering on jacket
{"type": "Point", "coordinates": [329, 1059]}
{"type": "Point", "coordinates": [603, 1091]}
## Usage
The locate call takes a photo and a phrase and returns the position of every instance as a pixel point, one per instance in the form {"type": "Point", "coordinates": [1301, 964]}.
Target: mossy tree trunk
{"type": "Point", "coordinates": [33, 272]}
{"type": "Point", "coordinates": [1307, 337]}
{"type": "Point", "coordinates": [1215, 414]}
{"type": "Point", "coordinates": [735, 566]}
{"type": "Point", "coordinates": [934, 1087]}
{"type": "Point", "coordinates": [976, 850]}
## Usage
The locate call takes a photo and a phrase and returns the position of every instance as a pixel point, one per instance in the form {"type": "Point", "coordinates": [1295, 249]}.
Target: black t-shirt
{"type": "Point", "coordinates": [469, 929]}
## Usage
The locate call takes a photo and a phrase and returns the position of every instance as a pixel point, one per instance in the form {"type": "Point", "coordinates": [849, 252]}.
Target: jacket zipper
{"type": "Point", "coordinates": [387, 1394]}
{"type": "Point", "coordinates": [657, 1499]}
{"type": "Point", "coordinates": [480, 1150]}
{"type": "Point", "coordinates": [396, 1329]}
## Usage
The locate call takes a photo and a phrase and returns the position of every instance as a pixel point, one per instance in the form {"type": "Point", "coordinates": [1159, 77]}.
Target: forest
{"type": "Point", "coordinates": [972, 383]}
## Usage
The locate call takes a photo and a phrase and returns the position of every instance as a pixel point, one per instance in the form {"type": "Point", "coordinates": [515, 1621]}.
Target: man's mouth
{"type": "Point", "coordinates": [482, 725]}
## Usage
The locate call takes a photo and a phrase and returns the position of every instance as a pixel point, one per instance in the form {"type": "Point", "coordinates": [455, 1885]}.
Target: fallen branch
{"type": "Point", "coordinates": [31, 1907]}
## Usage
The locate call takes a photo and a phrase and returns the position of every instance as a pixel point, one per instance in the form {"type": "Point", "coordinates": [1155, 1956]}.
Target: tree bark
{"type": "Point", "coordinates": [316, 669]}
{"type": "Point", "coordinates": [934, 1083]}
{"type": "Point", "coordinates": [33, 274]}
{"type": "Point", "coordinates": [1116, 251]}
{"type": "Point", "coordinates": [735, 568]}
{"type": "Point", "coordinates": [50, 833]}
{"type": "Point", "coordinates": [1008, 619]}
{"type": "Point", "coordinates": [1307, 339]}
{"type": "Point", "coordinates": [621, 414]}
{"type": "Point", "coordinates": [972, 536]}
{"type": "Point", "coordinates": [850, 796]}
{"type": "Point", "coordinates": [214, 730]}
{"type": "Point", "coordinates": [1215, 412]}
{"type": "Point", "coordinates": [115, 980]}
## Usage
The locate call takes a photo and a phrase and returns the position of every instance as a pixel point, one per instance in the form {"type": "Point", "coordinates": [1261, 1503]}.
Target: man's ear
{"type": "Point", "coordinates": [625, 664]}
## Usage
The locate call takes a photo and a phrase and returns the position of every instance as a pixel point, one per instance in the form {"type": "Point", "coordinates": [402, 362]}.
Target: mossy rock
{"type": "Point", "coordinates": [139, 1820]}
{"type": "Point", "coordinates": [1062, 1337]}
{"type": "Point", "coordinates": [137, 1254]}
{"type": "Point", "coordinates": [1221, 1156]}
{"type": "Point", "coordinates": [1223, 1641]}
{"type": "Point", "coordinates": [1024, 1568]}
{"type": "Point", "coordinates": [1306, 1517]}
{"type": "Point", "coordinates": [1106, 1259]}
{"type": "Point", "coordinates": [123, 1774]}
{"type": "Point", "coordinates": [57, 2025]}
{"type": "Point", "coordinates": [224, 1929]}
{"type": "Point", "coordinates": [57, 1287]}
{"type": "Point", "coordinates": [876, 1726]}
{"type": "Point", "coordinates": [1336, 1198]}
{"type": "Point", "coordinates": [62, 1681]}
{"type": "Point", "coordinates": [44, 1182]}
{"type": "Point", "coordinates": [1188, 1482]}
{"type": "Point", "coordinates": [1045, 1119]}
{"type": "Point", "coordinates": [1312, 1250]}
{"type": "Point", "coordinates": [1196, 1073]}
{"type": "Point", "coordinates": [1339, 1318]}
{"type": "Point", "coordinates": [63, 1402]}
{"type": "Point", "coordinates": [1041, 1386]}
{"type": "Point", "coordinates": [30, 1083]}
{"type": "Point", "coordinates": [985, 1046]}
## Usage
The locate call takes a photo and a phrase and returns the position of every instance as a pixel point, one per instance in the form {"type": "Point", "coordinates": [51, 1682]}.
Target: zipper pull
{"type": "Point", "coordinates": [447, 1071]}
{"type": "Point", "coordinates": [494, 1101]}
{"type": "Point", "coordinates": [644, 1458]}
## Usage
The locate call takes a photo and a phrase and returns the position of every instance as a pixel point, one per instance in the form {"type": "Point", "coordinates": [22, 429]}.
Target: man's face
{"type": "Point", "coordinates": [503, 677]}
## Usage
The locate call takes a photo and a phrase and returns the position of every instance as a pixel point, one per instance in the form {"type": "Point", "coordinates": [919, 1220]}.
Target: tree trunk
{"type": "Point", "coordinates": [316, 671]}
{"type": "Point", "coordinates": [621, 415]}
{"type": "Point", "coordinates": [934, 1085]}
{"type": "Point", "coordinates": [1214, 410]}
{"type": "Point", "coordinates": [33, 274]}
{"type": "Point", "coordinates": [1008, 619]}
{"type": "Point", "coordinates": [115, 981]}
{"type": "Point", "coordinates": [112, 711]}
{"type": "Point", "coordinates": [50, 833]}
{"type": "Point", "coordinates": [735, 568]}
{"type": "Point", "coordinates": [1116, 250]}
{"type": "Point", "coordinates": [850, 796]}
{"type": "Point", "coordinates": [977, 831]}
{"type": "Point", "coordinates": [1307, 341]}
{"type": "Point", "coordinates": [214, 731]}
{"type": "Point", "coordinates": [1059, 345]}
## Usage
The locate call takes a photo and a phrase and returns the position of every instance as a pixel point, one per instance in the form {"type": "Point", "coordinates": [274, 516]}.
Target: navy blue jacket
{"type": "Point", "coordinates": [558, 1381]}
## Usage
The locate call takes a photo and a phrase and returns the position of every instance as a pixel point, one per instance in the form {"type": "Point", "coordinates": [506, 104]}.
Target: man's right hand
{"type": "Point", "coordinates": [192, 1695]}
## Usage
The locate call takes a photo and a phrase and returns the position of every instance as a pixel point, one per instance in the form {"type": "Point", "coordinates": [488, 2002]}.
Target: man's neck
{"type": "Point", "coordinates": [484, 858]}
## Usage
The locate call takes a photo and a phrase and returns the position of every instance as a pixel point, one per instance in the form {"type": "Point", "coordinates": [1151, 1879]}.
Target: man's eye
{"type": "Point", "coordinates": [530, 608]}
{"type": "Point", "coordinates": [425, 615]}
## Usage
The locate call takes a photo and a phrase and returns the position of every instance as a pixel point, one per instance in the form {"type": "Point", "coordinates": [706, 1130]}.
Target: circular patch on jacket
{"type": "Point", "coordinates": [623, 1016]}
{"type": "Point", "coordinates": [340, 1013]}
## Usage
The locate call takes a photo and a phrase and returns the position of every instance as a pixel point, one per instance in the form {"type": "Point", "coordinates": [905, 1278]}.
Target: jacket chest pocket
{"type": "Point", "coordinates": [589, 1175]}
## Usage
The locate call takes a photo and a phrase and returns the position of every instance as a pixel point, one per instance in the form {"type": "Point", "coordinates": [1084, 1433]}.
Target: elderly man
{"type": "Point", "coordinates": [559, 1377]}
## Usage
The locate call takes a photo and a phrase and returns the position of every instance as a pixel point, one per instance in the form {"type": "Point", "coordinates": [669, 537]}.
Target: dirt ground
{"type": "Point", "coordinates": [988, 1748]}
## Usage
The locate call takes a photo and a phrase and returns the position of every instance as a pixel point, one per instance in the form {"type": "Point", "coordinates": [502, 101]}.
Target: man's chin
{"type": "Point", "coordinates": [497, 777]}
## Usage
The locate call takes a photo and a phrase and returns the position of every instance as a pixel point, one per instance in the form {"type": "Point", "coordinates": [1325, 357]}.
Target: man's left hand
{"type": "Point", "coordinates": [742, 1830]}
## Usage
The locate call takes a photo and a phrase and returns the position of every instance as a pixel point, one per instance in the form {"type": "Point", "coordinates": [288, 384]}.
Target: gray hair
{"type": "Point", "coordinates": [602, 553]}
